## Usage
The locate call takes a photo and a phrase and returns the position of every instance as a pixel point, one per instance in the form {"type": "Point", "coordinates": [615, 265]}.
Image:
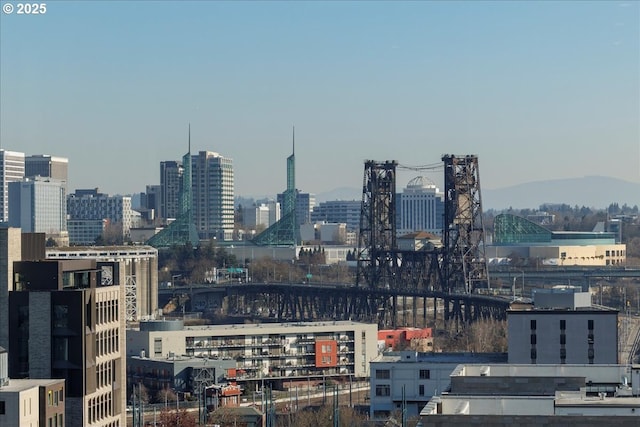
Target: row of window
{"type": "Point", "coordinates": [100, 407]}
{"type": "Point", "coordinates": [563, 324]}
{"type": "Point", "coordinates": [108, 342]}
{"type": "Point", "coordinates": [107, 311]}
{"type": "Point", "coordinates": [385, 374]}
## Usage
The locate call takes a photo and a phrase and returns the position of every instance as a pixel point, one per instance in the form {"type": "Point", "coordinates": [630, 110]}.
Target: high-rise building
{"type": "Point", "coordinates": [65, 322]}
{"type": "Point", "coordinates": [212, 195]}
{"type": "Point", "coordinates": [170, 187]}
{"type": "Point", "coordinates": [150, 203]}
{"type": "Point", "coordinates": [420, 207]}
{"type": "Point", "coordinates": [11, 170]}
{"type": "Point", "coordinates": [38, 205]}
{"type": "Point", "coordinates": [92, 205]}
{"type": "Point", "coordinates": [46, 166]}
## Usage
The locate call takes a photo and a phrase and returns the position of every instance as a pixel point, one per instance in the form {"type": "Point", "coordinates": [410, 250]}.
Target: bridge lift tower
{"type": "Point", "coordinates": [465, 267]}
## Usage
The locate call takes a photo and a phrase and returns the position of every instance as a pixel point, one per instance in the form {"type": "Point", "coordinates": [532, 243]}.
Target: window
{"type": "Point", "coordinates": [383, 374]}
{"type": "Point", "coordinates": [590, 323]}
{"type": "Point", "coordinates": [2, 410]}
{"type": "Point", "coordinates": [424, 374]}
{"type": "Point", "coordinates": [383, 390]}
{"type": "Point", "coordinates": [533, 325]}
{"type": "Point", "coordinates": [563, 339]}
{"type": "Point", "coordinates": [534, 355]}
{"type": "Point", "coordinates": [421, 389]}
{"type": "Point", "coordinates": [157, 346]}
{"type": "Point", "coordinates": [533, 339]}
{"type": "Point", "coordinates": [563, 324]}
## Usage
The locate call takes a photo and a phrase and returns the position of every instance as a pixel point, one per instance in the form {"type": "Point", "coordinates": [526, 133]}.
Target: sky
{"type": "Point", "coordinates": [537, 90]}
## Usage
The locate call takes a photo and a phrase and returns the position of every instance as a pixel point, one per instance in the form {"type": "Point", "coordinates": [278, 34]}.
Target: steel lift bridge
{"type": "Point", "coordinates": [451, 274]}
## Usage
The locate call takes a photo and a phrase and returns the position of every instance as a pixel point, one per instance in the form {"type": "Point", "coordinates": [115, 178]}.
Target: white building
{"type": "Point", "coordinates": [212, 195]}
{"type": "Point", "coordinates": [265, 214]}
{"type": "Point", "coordinates": [292, 351]}
{"type": "Point", "coordinates": [11, 170]}
{"type": "Point", "coordinates": [417, 376]}
{"type": "Point", "coordinates": [420, 207]}
{"type": "Point", "coordinates": [550, 395]}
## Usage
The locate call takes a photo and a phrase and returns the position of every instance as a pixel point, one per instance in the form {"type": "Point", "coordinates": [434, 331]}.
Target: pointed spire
{"type": "Point", "coordinates": [294, 141]}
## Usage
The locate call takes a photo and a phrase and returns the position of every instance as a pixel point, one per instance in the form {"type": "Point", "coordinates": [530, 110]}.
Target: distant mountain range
{"type": "Point", "coordinates": [589, 191]}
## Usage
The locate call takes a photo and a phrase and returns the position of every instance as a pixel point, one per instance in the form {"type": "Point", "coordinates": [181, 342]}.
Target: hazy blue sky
{"type": "Point", "coordinates": [538, 90]}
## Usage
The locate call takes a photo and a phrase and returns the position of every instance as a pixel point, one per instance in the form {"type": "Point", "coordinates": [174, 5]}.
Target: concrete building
{"type": "Point", "coordinates": [323, 233]}
{"type": "Point", "coordinates": [265, 214]}
{"type": "Point", "coordinates": [419, 241]}
{"type": "Point", "coordinates": [170, 187]}
{"type": "Point", "coordinates": [415, 377]}
{"type": "Point", "coordinates": [93, 205]}
{"type": "Point", "coordinates": [339, 211]}
{"type": "Point", "coordinates": [563, 327]}
{"type": "Point", "coordinates": [276, 351]}
{"type": "Point", "coordinates": [212, 195]}
{"type": "Point", "coordinates": [517, 236]}
{"type": "Point", "coordinates": [64, 322]}
{"type": "Point", "coordinates": [47, 166]}
{"type": "Point", "coordinates": [11, 170]}
{"type": "Point", "coordinates": [39, 205]}
{"type": "Point", "coordinates": [133, 267]}
{"type": "Point", "coordinates": [544, 395]}
{"type": "Point", "coordinates": [420, 207]}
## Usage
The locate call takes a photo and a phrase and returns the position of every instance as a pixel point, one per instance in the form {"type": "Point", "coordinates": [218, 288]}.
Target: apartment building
{"type": "Point", "coordinates": [273, 351]}
{"type": "Point", "coordinates": [65, 323]}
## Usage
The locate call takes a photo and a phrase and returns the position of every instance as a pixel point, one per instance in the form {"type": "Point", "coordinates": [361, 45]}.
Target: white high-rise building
{"type": "Point", "coordinates": [11, 170]}
{"type": "Point", "coordinates": [420, 207]}
{"type": "Point", "coordinates": [212, 195]}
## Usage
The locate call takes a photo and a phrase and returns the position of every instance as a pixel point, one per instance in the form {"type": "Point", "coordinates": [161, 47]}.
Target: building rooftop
{"type": "Point", "coordinates": [22, 385]}
{"type": "Point", "coordinates": [430, 357]}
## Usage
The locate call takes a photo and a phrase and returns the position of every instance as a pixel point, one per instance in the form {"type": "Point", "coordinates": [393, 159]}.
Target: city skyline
{"type": "Point", "coordinates": [537, 90]}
